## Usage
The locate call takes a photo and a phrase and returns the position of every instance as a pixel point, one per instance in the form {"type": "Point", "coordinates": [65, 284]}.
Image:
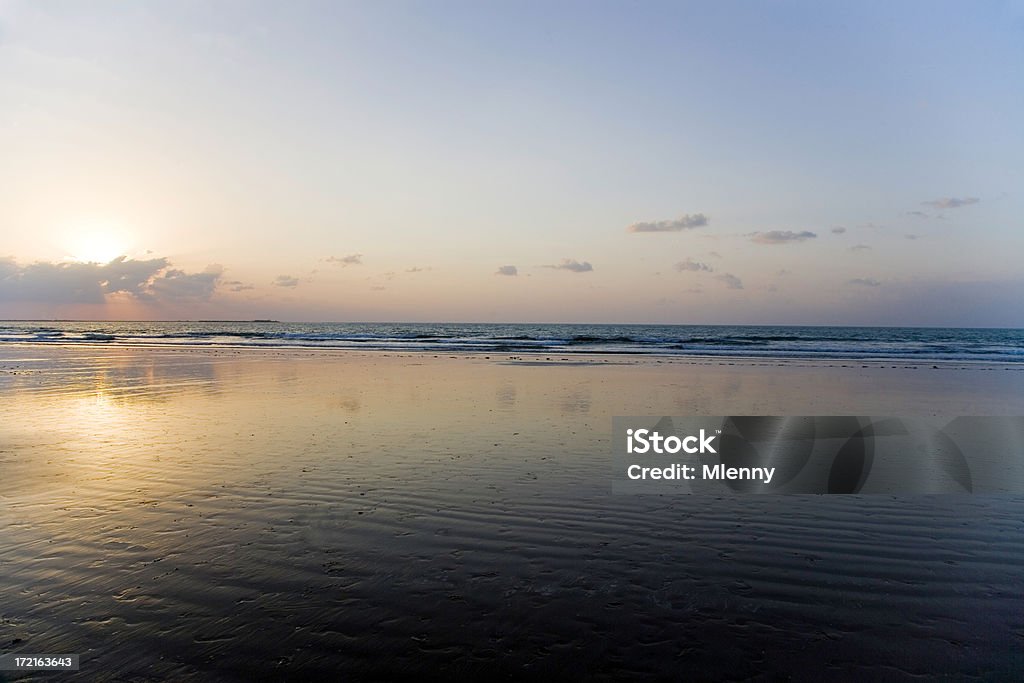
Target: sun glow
{"type": "Point", "coordinates": [96, 243]}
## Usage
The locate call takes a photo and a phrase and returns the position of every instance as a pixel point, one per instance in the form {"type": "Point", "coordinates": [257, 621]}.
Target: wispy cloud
{"type": "Point", "coordinates": [237, 285]}
{"type": "Point", "coordinates": [692, 266]}
{"type": "Point", "coordinates": [838, 230]}
{"type": "Point", "coordinates": [865, 282]}
{"type": "Point", "coordinates": [343, 261]}
{"type": "Point", "coordinates": [286, 281]}
{"type": "Point", "coordinates": [912, 236]}
{"type": "Point", "coordinates": [918, 214]}
{"type": "Point", "coordinates": [511, 271]}
{"type": "Point", "coordinates": [951, 202]}
{"type": "Point", "coordinates": [730, 280]}
{"type": "Point", "coordinates": [860, 247]}
{"type": "Point", "coordinates": [781, 236]}
{"type": "Point", "coordinates": [684, 222]}
{"type": "Point", "coordinates": [151, 280]}
{"type": "Point", "coordinates": [572, 265]}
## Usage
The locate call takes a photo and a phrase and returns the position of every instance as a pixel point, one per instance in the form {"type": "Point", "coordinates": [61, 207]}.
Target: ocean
{"type": "Point", "coordinates": [861, 343]}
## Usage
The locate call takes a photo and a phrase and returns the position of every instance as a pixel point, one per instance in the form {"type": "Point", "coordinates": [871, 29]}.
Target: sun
{"type": "Point", "coordinates": [96, 243]}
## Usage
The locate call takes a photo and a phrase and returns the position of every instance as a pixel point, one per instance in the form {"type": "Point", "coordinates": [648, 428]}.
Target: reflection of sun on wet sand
{"type": "Point", "coordinates": [192, 513]}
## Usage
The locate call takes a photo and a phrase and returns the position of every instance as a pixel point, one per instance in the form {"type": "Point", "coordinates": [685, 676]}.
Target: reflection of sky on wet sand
{"type": "Point", "coordinates": [115, 375]}
{"type": "Point", "coordinates": [186, 503]}
{"type": "Point", "coordinates": [149, 416]}
{"type": "Point", "coordinates": [158, 419]}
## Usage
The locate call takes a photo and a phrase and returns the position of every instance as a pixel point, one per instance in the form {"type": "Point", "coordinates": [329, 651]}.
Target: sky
{"type": "Point", "coordinates": [830, 163]}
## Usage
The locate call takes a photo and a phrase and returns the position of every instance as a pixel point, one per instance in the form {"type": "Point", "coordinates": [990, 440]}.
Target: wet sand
{"type": "Point", "coordinates": [230, 514]}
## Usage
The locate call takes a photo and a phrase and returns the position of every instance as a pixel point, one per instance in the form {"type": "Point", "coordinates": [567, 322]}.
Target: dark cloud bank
{"type": "Point", "coordinates": [150, 280]}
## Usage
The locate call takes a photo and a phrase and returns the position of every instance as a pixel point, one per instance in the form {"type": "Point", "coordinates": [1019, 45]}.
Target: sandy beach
{"type": "Point", "coordinates": [243, 514]}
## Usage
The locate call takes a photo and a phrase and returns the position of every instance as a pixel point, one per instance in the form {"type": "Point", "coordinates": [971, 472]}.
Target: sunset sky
{"type": "Point", "coordinates": [715, 162]}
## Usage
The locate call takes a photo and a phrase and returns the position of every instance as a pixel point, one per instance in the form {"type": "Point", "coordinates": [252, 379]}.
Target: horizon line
{"type": "Point", "coordinates": [454, 322]}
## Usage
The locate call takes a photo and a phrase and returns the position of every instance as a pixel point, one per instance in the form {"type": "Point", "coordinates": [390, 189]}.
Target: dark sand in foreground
{"type": "Point", "coordinates": [196, 514]}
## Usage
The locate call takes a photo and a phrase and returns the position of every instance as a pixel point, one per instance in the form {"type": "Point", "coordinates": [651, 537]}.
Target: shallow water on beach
{"type": "Point", "coordinates": [197, 515]}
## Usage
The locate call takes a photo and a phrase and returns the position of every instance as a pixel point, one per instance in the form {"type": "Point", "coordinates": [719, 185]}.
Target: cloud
{"type": "Point", "coordinates": [731, 281]}
{"type": "Point", "coordinates": [130, 275]}
{"type": "Point", "coordinates": [90, 283]}
{"type": "Point", "coordinates": [237, 285]}
{"type": "Point", "coordinates": [919, 214]}
{"type": "Point", "coordinates": [286, 281]}
{"type": "Point", "coordinates": [781, 236]}
{"type": "Point", "coordinates": [860, 247]}
{"type": "Point", "coordinates": [692, 266]}
{"type": "Point", "coordinates": [573, 265]}
{"type": "Point", "coordinates": [177, 284]}
{"type": "Point", "coordinates": [417, 269]}
{"type": "Point", "coordinates": [865, 282]}
{"type": "Point", "coordinates": [912, 236]}
{"type": "Point", "coordinates": [951, 202]}
{"type": "Point", "coordinates": [714, 254]}
{"type": "Point", "coordinates": [684, 222]}
{"type": "Point", "coordinates": [343, 261]}
{"type": "Point", "coordinates": [839, 230]}
{"type": "Point", "coordinates": [507, 270]}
